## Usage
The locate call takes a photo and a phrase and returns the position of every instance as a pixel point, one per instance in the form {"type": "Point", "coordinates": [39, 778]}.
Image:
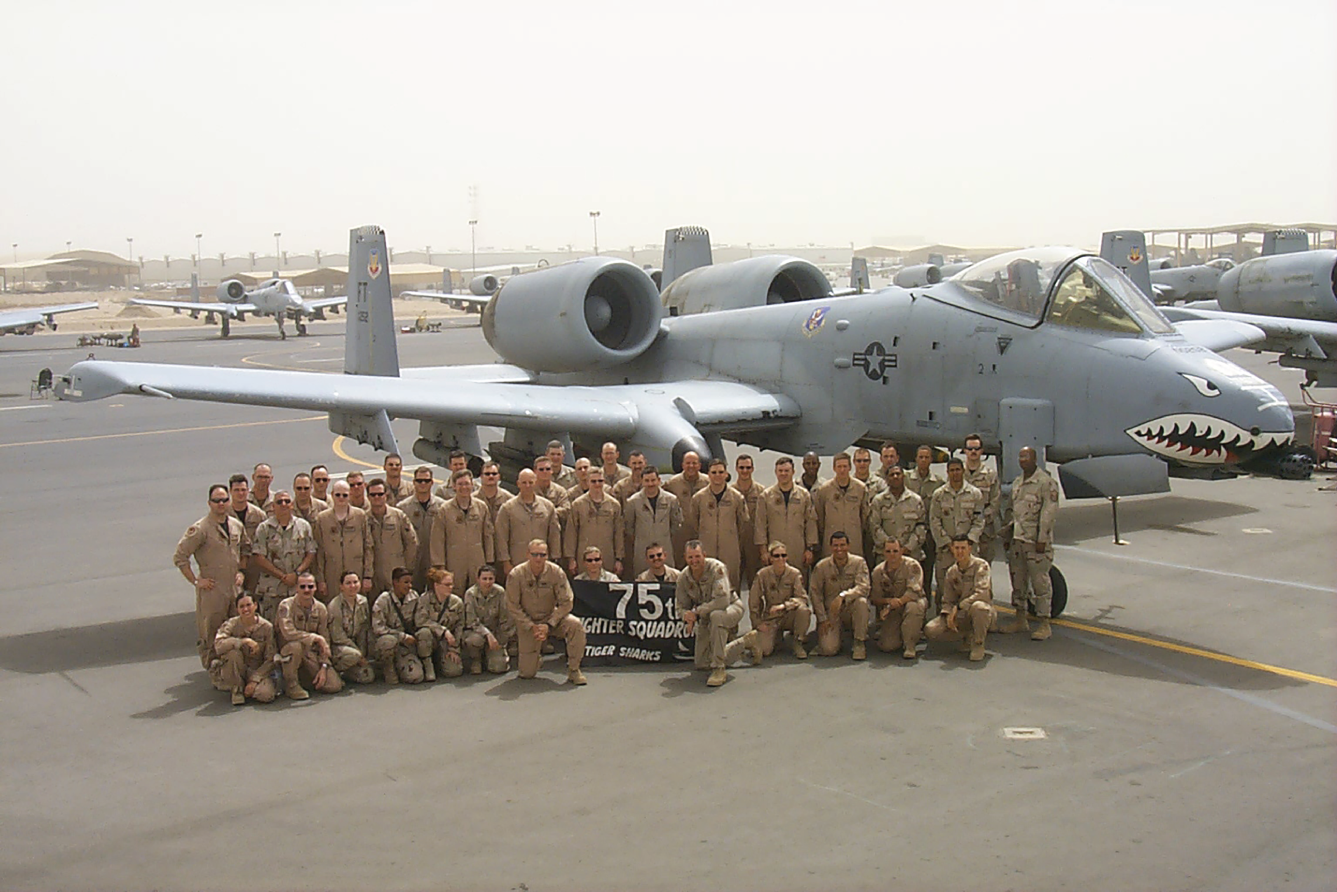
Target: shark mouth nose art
{"type": "Point", "coordinates": [1203, 439]}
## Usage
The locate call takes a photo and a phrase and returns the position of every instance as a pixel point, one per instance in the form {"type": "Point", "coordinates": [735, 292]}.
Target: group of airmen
{"type": "Point", "coordinates": [334, 582]}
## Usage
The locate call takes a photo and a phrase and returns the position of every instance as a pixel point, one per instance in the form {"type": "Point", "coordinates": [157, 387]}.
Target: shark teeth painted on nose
{"type": "Point", "coordinates": [1203, 439]}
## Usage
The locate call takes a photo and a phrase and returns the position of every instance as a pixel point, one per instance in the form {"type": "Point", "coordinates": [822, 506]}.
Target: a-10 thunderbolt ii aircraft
{"type": "Point", "coordinates": [26, 320]}
{"type": "Point", "coordinates": [1050, 347]}
{"type": "Point", "coordinates": [272, 297]}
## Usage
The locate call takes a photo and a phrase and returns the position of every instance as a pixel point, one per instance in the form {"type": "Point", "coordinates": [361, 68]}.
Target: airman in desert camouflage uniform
{"type": "Point", "coordinates": [1030, 554]}
{"type": "Point", "coordinates": [956, 509]}
{"type": "Point", "coordinates": [392, 625]}
{"type": "Point", "coordinates": [713, 610]}
{"type": "Point", "coordinates": [284, 546]}
{"type": "Point", "coordinates": [539, 600]}
{"type": "Point", "coordinates": [350, 632]}
{"type": "Point", "coordinates": [304, 642]}
{"type": "Point", "coordinates": [840, 597]}
{"type": "Point", "coordinates": [245, 648]}
{"type": "Point", "coordinates": [489, 631]}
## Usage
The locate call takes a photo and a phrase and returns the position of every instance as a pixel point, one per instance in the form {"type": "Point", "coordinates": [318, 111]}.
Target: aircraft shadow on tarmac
{"type": "Point", "coordinates": [1087, 520]}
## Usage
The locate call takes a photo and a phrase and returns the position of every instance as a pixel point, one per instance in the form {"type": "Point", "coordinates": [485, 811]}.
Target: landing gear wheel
{"type": "Point", "coordinates": [1059, 600]}
{"type": "Point", "coordinates": [301, 329]}
{"type": "Point", "coordinates": [227, 326]}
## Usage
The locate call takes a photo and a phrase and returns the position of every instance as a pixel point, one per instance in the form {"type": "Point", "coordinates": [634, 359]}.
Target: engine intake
{"type": "Point", "coordinates": [231, 291]}
{"type": "Point", "coordinates": [595, 312]}
{"type": "Point", "coordinates": [755, 282]}
{"type": "Point", "coordinates": [482, 286]}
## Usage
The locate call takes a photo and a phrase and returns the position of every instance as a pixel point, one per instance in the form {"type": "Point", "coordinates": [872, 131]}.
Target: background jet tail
{"type": "Point", "coordinates": [1127, 249]}
{"type": "Point", "coordinates": [1284, 241]}
{"type": "Point", "coordinates": [859, 274]}
{"type": "Point", "coordinates": [685, 249]}
{"type": "Point", "coordinates": [369, 345]}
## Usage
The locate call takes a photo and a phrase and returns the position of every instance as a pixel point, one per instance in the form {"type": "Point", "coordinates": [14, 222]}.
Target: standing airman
{"type": "Point", "coordinates": [220, 546]}
{"type": "Point", "coordinates": [421, 509]}
{"type": "Point", "coordinates": [595, 519]}
{"type": "Point", "coordinates": [463, 539]}
{"type": "Point", "coordinates": [897, 513]}
{"type": "Point", "coordinates": [751, 491]}
{"type": "Point", "coordinates": [841, 503]}
{"type": "Point", "coordinates": [284, 547]}
{"type": "Point", "coordinates": [394, 541]}
{"type": "Point", "coordinates": [653, 515]}
{"type": "Point", "coordinates": [786, 514]}
{"type": "Point", "coordinates": [343, 542]}
{"type": "Point", "coordinates": [719, 515]}
{"type": "Point", "coordinates": [1034, 508]}
{"type": "Point", "coordinates": [956, 509]}
{"type": "Point", "coordinates": [527, 516]}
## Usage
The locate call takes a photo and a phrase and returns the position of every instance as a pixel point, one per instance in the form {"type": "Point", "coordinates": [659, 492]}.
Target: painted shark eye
{"type": "Point", "coordinates": [1205, 387]}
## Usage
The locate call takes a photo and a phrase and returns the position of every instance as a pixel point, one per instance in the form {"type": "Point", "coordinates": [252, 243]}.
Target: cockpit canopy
{"type": "Point", "coordinates": [1063, 286]}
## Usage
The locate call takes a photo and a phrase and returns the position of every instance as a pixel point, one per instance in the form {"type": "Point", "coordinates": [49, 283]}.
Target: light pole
{"type": "Point", "coordinates": [199, 258]}
{"type": "Point", "coordinates": [278, 258]}
{"type": "Point", "coordinates": [15, 246]}
{"type": "Point", "coordinates": [130, 249]}
{"type": "Point", "coordinates": [473, 246]}
{"type": "Point", "coordinates": [68, 242]}
{"type": "Point", "coordinates": [594, 215]}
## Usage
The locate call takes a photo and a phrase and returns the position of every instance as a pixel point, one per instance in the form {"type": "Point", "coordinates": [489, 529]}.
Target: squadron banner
{"type": "Point", "coordinates": [631, 621]}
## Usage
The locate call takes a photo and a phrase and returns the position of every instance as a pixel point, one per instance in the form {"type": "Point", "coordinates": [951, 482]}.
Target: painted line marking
{"type": "Point", "coordinates": [1251, 699]}
{"type": "Point", "coordinates": [175, 430]}
{"type": "Point", "coordinates": [20, 408]}
{"type": "Point", "coordinates": [1187, 568]}
{"type": "Point", "coordinates": [338, 448]}
{"type": "Point", "coordinates": [1190, 651]}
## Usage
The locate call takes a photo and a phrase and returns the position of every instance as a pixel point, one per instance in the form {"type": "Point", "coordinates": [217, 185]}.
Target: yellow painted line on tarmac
{"type": "Point", "coordinates": [174, 430]}
{"type": "Point", "coordinates": [257, 359]}
{"type": "Point", "coordinates": [338, 448]}
{"type": "Point", "coordinates": [1193, 651]}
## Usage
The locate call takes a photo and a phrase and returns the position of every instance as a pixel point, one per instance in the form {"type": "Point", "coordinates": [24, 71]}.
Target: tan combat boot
{"type": "Point", "coordinates": [576, 677]}
{"type": "Point", "coordinates": [238, 697]}
{"type": "Point", "coordinates": [1019, 623]}
{"type": "Point", "coordinates": [860, 651]}
{"type": "Point", "coordinates": [976, 652]}
{"type": "Point", "coordinates": [476, 667]}
{"type": "Point", "coordinates": [752, 642]}
{"type": "Point", "coordinates": [909, 653]}
{"type": "Point", "coordinates": [1042, 630]}
{"type": "Point", "coordinates": [717, 678]}
{"type": "Point", "coordinates": [296, 692]}
{"type": "Point", "coordinates": [389, 671]}
{"type": "Point", "coordinates": [428, 669]}
{"type": "Point", "coordinates": [799, 650]}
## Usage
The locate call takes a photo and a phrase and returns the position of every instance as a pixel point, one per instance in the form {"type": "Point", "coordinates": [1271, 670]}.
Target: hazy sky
{"type": "Point", "coordinates": [979, 123]}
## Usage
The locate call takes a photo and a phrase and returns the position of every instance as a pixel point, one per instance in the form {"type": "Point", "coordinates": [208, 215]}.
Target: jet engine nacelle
{"type": "Point", "coordinates": [920, 275]}
{"type": "Point", "coordinates": [482, 286]}
{"type": "Point", "coordinates": [231, 291]}
{"type": "Point", "coordinates": [1302, 285]}
{"type": "Point", "coordinates": [595, 312]}
{"type": "Point", "coordinates": [755, 282]}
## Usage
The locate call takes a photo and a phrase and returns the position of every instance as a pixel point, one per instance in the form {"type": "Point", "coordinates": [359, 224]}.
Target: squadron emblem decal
{"type": "Point", "coordinates": [875, 360]}
{"type": "Point", "coordinates": [815, 321]}
{"type": "Point", "coordinates": [374, 264]}
{"type": "Point", "coordinates": [1135, 255]}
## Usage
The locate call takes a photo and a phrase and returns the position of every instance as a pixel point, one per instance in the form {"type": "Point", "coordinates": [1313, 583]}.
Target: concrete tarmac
{"type": "Point", "coordinates": [1188, 703]}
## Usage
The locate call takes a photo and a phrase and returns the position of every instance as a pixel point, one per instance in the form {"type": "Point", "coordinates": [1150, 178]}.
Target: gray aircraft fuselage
{"type": "Point", "coordinates": [934, 364]}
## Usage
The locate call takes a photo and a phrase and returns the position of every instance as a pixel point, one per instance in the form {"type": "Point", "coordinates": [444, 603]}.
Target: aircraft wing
{"type": "Point", "coordinates": [611, 411]}
{"type": "Point", "coordinates": [31, 316]}
{"type": "Point", "coordinates": [467, 300]}
{"type": "Point", "coordinates": [322, 303]}
{"type": "Point", "coordinates": [1303, 337]}
{"type": "Point", "coordinates": [226, 309]}
{"type": "Point", "coordinates": [1219, 334]}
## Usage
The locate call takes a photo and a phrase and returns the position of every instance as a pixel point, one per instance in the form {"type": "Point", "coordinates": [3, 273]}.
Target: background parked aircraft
{"type": "Point", "coordinates": [273, 297]}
